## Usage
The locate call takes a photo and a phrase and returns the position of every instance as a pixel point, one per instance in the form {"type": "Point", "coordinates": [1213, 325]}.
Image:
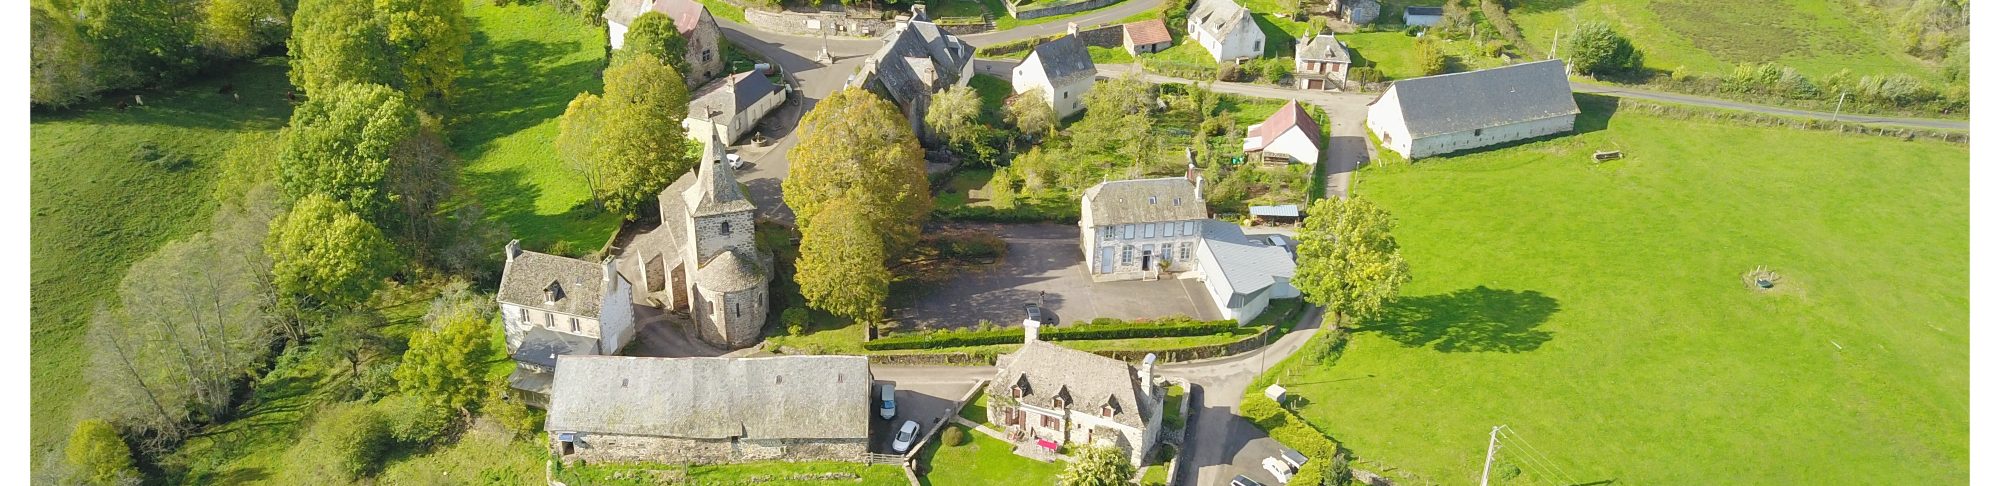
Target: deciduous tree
{"type": "Point", "coordinates": [337, 42]}
{"type": "Point", "coordinates": [233, 29]}
{"type": "Point", "coordinates": [954, 113]}
{"type": "Point", "coordinates": [427, 40]}
{"type": "Point", "coordinates": [63, 65]}
{"type": "Point", "coordinates": [576, 142]}
{"type": "Point", "coordinates": [341, 144]}
{"type": "Point", "coordinates": [1430, 57]}
{"type": "Point", "coordinates": [325, 255]}
{"type": "Point", "coordinates": [141, 40]}
{"type": "Point", "coordinates": [842, 266]}
{"type": "Point", "coordinates": [1348, 258]}
{"type": "Point", "coordinates": [654, 34]}
{"type": "Point", "coordinates": [642, 144]}
{"type": "Point", "coordinates": [1098, 466]}
{"type": "Point", "coordinates": [446, 362]}
{"type": "Point", "coordinates": [1595, 49]}
{"type": "Point", "coordinates": [1031, 115]}
{"type": "Point", "coordinates": [855, 145]}
{"type": "Point", "coordinates": [99, 455]}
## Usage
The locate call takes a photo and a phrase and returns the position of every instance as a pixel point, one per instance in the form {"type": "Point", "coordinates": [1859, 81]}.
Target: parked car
{"type": "Point", "coordinates": [1034, 312]}
{"type": "Point", "coordinates": [904, 436]}
{"type": "Point", "coordinates": [1278, 469]}
{"type": "Point", "coordinates": [735, 161]}
{"type": "Point", "coordinates": [888, 393]}
{"type": "Point", "coordinates": [1241, 480]}
{"type": "Point", "coordinates": [1292, 457]}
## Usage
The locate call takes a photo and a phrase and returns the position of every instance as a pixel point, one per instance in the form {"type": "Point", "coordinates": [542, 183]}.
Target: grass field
{"type": "Point", "coordinates": [1816, 37]}
{"type": "Point", "coordinates": [525, 64]}
{"type": "Point", "coordinates": [982, 460]}
{"type": "Point", "coordinates": [1598, 310]}
{"type": "Point", "coordinates": [96, 209]}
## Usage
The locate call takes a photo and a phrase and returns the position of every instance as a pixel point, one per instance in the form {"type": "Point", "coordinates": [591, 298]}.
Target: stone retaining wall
{"type": "Point", "coordinates": [1105, 36]}
{"type": "Point", "coordinates": [1197, 352]}
{"type": "Point", "coordinates": [1033, 12]}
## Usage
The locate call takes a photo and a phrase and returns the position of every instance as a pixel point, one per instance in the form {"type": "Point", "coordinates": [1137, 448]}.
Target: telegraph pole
{"type": "Point", "coordinates": [1837, 105]}
{"type": "Point", "coordinates": [1492, 445]}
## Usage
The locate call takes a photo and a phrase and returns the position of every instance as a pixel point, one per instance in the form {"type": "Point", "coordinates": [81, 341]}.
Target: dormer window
{"type": "Point", "coordinates": [1016, 391]}
{"type": "Point", "coordinates": [1106, 411]}
{"type": "Point", "coordinates": [1057, 402]}
{"type": "Point", "coordinates": [1152, 199]}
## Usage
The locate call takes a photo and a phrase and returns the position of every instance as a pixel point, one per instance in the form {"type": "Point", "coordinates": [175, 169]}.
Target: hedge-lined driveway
{"type": "Point", "coordinates": [1044, 264]}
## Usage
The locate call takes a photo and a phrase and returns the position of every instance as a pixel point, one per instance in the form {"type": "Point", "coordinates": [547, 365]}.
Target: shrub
{"type": "Point", "coordinates": [346, 441]}
{"type": "Point", "coordinates": [99, 454]}
{"type": "Point", "coordinates": [1229, 71]}
{"type": "Point", "coordinates": [524, 422]}
{"type": "Point", "coordinates": [1493, 48]}
{"type": "Point", "coordinates": [796, 320]}
{"type": "Point", "coordinates": [1102, 328]}
{"type": "Point", "coordinates": [952, 436]}
{"type": "Point", "coordinates": [1275, 70]}
{"type": "Point", "coordinates": [414, 423]}
{"type": "Point", "coordinates": [1364, 75]}
{"type": "Point", "coordinates": [1596, 49]}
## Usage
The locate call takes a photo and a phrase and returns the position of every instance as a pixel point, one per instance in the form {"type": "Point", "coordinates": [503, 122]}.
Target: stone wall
{"type": "Point", "coordinates": [952, 359]}
{"type": "Point", "coordinates": [1239, 346]}
{"type": "Point", "coordinates": [602, 448]}
{"type": "Point", "coordinates": [1038, 12]}
{"type": "Point", "coordinates": [1106, 36]}
{"type": "Point", "coordinates": [845, 24]}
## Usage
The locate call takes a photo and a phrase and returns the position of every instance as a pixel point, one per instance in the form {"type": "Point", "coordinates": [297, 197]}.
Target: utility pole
{"type": "Point", "coordinates": [1553, 42]}
{"type": "Point", "coordinates": [825, 55]}
{"type": "Point", "coordinates": [1837, 105]}
{"type": "Point", "coordinates": [1492, 445]}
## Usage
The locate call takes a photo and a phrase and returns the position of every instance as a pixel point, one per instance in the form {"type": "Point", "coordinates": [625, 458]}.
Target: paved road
{"type": "Point", "coordinates": [1094, 18]}
{"type": "Point", "coordinates": [1619, 91]}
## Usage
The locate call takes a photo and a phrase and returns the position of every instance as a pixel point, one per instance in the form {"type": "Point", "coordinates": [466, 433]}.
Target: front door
{"type": "Point", "coordinates": [1104, 259]}
{"type": "Point", "coordinates": [1146, 260]}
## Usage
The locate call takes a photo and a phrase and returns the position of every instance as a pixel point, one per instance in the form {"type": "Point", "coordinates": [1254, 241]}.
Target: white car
{"type": "Point", "coordinates": [735, 161]}
{"type": "Point", "coordinates": [904, 436]}
{"type": "Point", "coordinates": [1278, 469]}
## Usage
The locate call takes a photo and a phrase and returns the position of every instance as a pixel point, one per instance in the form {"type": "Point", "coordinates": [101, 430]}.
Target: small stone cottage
{"type": "Point", "coordinates": [710, 410]}
{"type": "Point", "coordinates": [1046, 392]}
{"type": "Point", "coordinates": [551, 306]}
{"type": "Point", "coordinates": [704, 36]}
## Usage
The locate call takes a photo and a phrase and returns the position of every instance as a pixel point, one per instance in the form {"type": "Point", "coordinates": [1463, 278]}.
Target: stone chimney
{"type": "Point", "coordinates": [917, 13]}
{"type": "Point", "coordinates": [513, 250]}
{"type": "Point", "coordinates": [1031, 330]}
{"type": "Point", "coordinates": [610, 269]}
{"type": "Point", "coordinates": [1072, 29]}
{"type": "Point", "coordinates": [1146, 376]}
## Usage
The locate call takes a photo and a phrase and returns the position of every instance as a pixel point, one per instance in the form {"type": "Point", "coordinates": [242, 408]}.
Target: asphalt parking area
{"type": "Point", "coordinates": [1043, 264]}
{"type": "Point", "coordinates": [928, 403]}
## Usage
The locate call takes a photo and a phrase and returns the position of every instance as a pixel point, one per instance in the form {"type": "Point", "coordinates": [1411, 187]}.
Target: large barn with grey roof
{"type": "Point", "coordinates": [1436, 115]}
{"type": "Point", "coordinates": [710, 410]}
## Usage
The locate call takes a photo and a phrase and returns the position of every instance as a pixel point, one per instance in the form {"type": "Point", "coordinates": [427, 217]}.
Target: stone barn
{"type": "Point", "coordinates": [610, 409]}
{"type": "Point", "coordinates": [1434, 115]}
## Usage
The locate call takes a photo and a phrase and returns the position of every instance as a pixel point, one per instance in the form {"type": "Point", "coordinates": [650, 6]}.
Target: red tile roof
{"type": "Point", "coordinates": [1147, 32]}
{"type": "Point", "coordinates": [686, 13]}
{"type": "Point", "coordinates": [1287, 117]}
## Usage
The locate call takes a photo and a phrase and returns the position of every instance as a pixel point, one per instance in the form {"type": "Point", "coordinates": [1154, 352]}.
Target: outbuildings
{"type": "Point", "coordinates": [1422, 16]}
{"type": "Point", "coordinates": [1226, 29]}
{"type": "Point", "coordinates": [709, 410]}
{"type": "Point", "coordinates": [1434, 115]}
{"type": "Point", "coordinates": [734, 104]}
{"type": "Point", "coordinates": [1357, 12]}
{"type": "Point", "coordinates": [1243, 275]}
{"type": "Point", "coordinates": [916, 60]}
{"type": "Point", "coordinates": [1289, 136]}
{"type": "Point", "coordinates": [1061, 69]}
{"type": "Point", "coordinates": [1148, 35]}
{"type": "Point", "coordinates": [697, 26]}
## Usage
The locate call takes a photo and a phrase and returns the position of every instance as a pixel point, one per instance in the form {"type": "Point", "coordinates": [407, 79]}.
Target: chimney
{"type": "Point", "coordinates": [917, 13]}
{"type": "Point", "coordinates": [1197, 188]}
{"type": "Point", "coordinates": [1072, 29]}
{"type": "Point", "coordinates": [1031, 330]}
{"type": "Point", "coordinates": [513, 250]}
{"type": "Point", "coordinates": [1146, 376]}
{"type": "Point", "coordinates": [610, 269]}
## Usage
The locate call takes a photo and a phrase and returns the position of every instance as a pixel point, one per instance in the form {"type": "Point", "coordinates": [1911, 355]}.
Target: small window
{"type": "Point", "coordinates": [575, 325]}
{"type": "Point", "coordinates": [548, 320]}
{"type": "Point", "coordinates": [1017, 391]}
{"type": "Point", "coordinates": [1128, 231]}
{"type": "Point", "coordinates": [707, 55]}
{"type": "Point", "coordinates": [725, 227]}
{"type": "Point", "coordinates": [1187, 228]}
{"type": "Point", "coordinates": [1107, 411]}
{"type": "Point", "coordinates": [1110, 233]}
{"type": "Point", "coordinates": [1127, 258]}
{"type": "Point", "coordinates": [1065, 95]}
{"type": "Point", "coordinates": [1184, 250]}
{"type": "Point", "coordinates": [1149, 229]}
{"type": "Point", "coordinates": [1477, 131]}
{"type": "Point", "coordinates": [1167, 230]}
{"type": "Point", "coordinates": [524, 315]}
{"type": "Point", "coordinates": [737, 309]}
{"type": "Point", "coordinates": [1152, 199]}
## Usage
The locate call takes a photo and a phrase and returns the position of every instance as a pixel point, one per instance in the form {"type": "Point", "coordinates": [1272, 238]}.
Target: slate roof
{"type": "Point", "coordinates": [1249, 267]}
{"type": "Point", "coordinates": [1152, 31]}
{"type": "Point", "coordinates": [943, 55]}
{"type": "Point", "coordinates": [541, 345]}
{"type": "Point", "coordinates": [1434, 11]}
{"type": "Point", "coordinates": [686, 13]}
{"type": "Point", "coordinates": [1288, 116]}
{"type": "Point", "coordinates": [785, 397]}
{"type": "Point", "coordinates": [715, 188]}
{"type": "Point", "coordinates": [730, 95]}
{"type": "Point", "coordinates": [1486, 98]}
{"type": "Point", "coordinates": [1143, 201]}
{"type": "Point", "coordinates": [577, 285]}
{"type": "Point", "coordinates": [532, 380]}
{"type": "Point", "coordinates": [1221, 17]}
{"type": "Point", "coordinates": [1064, 59]}
{"type": "Point", "coordinates": [1324, 48]}
{"type": "Point", "coordinates": [1086, 380]}
{"type": "Point", "coordinates": [729, 272]}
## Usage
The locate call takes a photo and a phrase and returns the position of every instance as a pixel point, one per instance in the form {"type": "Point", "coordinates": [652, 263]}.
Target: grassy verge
{"type": "Point", "coordinates": [981, 460]}
{"type": "Point", "coordinates": [801, 473]}
{"type": "Point", "coordinates": [1173, 419]}
{"type": "Point", "coordinates": [96, 208]}
{"type": "Point", "coordinates": [1856, 366]}
{"type": "Point", "coordinates": [724, 9]}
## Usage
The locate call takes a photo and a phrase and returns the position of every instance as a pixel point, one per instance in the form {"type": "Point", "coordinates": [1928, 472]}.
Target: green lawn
{"type": "Point", "coordinates": [984, 461]}
{"type": "Point", "coordinates": [526, 63]}
{"type": "Point", "coordinates": [724, 9]}
{"type": "Point", "coordinates": [1598, 310]}
{"type": "Point", "coordinates": [1816, 37]}
{"type": "Point", "coordinates": [1003, 21]}
{"type": "Point", "coordinates": [799, 473]}
{"type": "Point", "coordinates": [975, 409]}
{"type": "Point", "coordinates": [1173, 419]}
{"type": "Point", "coordinates": [96, 209]}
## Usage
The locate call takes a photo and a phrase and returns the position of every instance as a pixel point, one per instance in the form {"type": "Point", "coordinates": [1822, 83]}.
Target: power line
{"type": "Point", "coordinates": [1536, 453]}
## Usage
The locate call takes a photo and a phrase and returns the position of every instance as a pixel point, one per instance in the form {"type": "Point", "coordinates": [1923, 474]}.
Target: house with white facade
{"type": "Point", "coordinates": [1320, 63]}
{"type": "Point", "coordinates": [1433, 115]}
{"type": "Point", "coordinates": [1154, 228]}
{"type": "Point", "coordinates": [917, 59]}
{"type": "Point", "coordinates": [691, 18]}
{"type": "Point", "coordinates": [732, 105]}
{"type": "Point", "coordinates": [613, 409]}
{"type": "Point", "coordinates": [552, 305]}
{"type": "Point", "coordinates": [1289, 136]}
{"type": "Point", "coordinates": [1061, 69]}
{"type": "Point", "coordinates": [1242, 275]}
{"type": "Point", "coordinates": [1047, 394]}
{"type": "Point", "coordinates": [1226, 29]}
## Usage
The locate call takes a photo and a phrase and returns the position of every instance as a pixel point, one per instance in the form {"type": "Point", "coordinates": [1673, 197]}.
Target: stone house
{"type": "Point", "coordinates": [1320, 63]}
{"type": "Point", "coordinates": [1433, 115]}
{"type": "Point", "coordinates": [609, 409]}
{"type": "Point", "coordinates": [1133, 229]}
{"type": "Point", "coordinates": [1046, 392]}
{"type": "Point", "coordinates": [1357, 12]}
{"type": "Point", "coordinates": [704, 36]}
{"type": "Point", "coordinates": [703, 261]}
{"type": "Point", "coordinates": [552, 305]}
{"type": "Point", "coordinates": [1289, 136]}
{"type": "Point", "coordinates": [1226, 29]}
{"type": "Point", "coordinates": [733, 105]}
{"type": "Point", "coordinates": [1061, 69]}
{"type": "Point", "coordinates": [916, 60]}
{"type": "Point", "coordinates": [1148, 35]}
{"type": "Point", "coordinates": [1422, 16]}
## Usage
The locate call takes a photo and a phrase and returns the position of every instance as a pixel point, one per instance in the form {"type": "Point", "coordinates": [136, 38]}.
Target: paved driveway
{"type": "Point", "coordinates": [923, 394]}
{"type": "Point", "coordinates": [1043, 263]}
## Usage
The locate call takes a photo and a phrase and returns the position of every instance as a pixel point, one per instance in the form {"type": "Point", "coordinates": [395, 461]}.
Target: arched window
{"type": "Point", "coordinates": [725, 227]}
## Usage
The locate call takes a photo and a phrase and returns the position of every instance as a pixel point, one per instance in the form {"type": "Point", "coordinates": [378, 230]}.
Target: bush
{"type": "Point", "coordinates": [414, 423]}
{"type": "Point", "coordinates": [952, 436]}
{"type": "Point", "coordinates": [1364, 75]}
{"type": "Point", "coordinates": [1020, 213]}
{"type": "Point", "coordinates": [346, 441]}
{"type": "Point", "coordinates": [796, 320]}
{"type": "Point", "coordinates": [1596, 49]}
{"type": "Point", "coordinates": [100, 455]}
{"type": "Point", "coordinates": [524, 422]}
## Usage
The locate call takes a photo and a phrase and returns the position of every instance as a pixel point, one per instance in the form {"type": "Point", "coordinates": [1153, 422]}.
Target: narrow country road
{"type": "Point", "coordinates": [1623, 92]}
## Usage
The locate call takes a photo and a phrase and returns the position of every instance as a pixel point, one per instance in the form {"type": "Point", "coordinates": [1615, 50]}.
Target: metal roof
{"type": "Point", "coordinates": [784, 397]}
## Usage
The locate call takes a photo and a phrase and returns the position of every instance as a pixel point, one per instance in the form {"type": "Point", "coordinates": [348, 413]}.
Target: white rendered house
{"type": "Point", "coordinates": [1435, 115]}
{"type": "Point", "coordinates": [734, 103]}
{"type": "Point", "coordinates": [1061, 69]}
{"type": "Point", "coordinates": [1289, 136]}
{"type": "Point", "coordinates": [1226, 29]}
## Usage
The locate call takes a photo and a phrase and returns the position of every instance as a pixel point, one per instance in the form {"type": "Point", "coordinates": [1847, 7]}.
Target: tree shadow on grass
{"type": "Point", "coordinates": [511, 86]}
{"type": "Point", "coordinates": [1478, 319]}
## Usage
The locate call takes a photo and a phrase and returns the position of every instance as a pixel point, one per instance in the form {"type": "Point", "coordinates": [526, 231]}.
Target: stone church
{"type": "Point", "coordinates": [702, 261]}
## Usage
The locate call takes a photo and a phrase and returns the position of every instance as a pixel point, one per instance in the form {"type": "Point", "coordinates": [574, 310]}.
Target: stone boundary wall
{"type": "Point", "coordinates": [1197, 352]}
{"type": "Point", "coordinates": [1180, 436]}
{"type": "Point", "coordinates": [852, 24]}
{"type": "Point", "coordinates": [1053, 10]}
{"type": "Point", "coordinates": [950, 359]}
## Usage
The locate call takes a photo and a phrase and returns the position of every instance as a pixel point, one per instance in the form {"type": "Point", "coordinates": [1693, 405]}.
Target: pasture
{"type": "Point", "coordinates": [1817, 37]}
{"type": "Point", "coordinates": [1600, 310]}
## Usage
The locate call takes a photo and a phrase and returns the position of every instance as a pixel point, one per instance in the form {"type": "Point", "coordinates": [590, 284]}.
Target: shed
{"type": "Point", "coordinates": [1424, 16]}
{"type": "Point", "coordinates": [1278, 214]}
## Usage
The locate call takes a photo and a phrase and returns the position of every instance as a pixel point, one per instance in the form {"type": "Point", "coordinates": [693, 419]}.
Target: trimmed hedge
{"type": "Point", "coordinates": [1286, 427]}
{"type": "Point", "coordinates": [1102, 328]}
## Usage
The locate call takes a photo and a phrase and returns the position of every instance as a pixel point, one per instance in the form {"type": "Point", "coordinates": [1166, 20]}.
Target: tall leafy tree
{"type": "Point", "coordinates": [856, 145]}
{"type": "Point", "coordinates": [1430, 57]}
{"type": "Point", "coordinates": [232, 29]}
{"type": "Point", "coordinates": [143, 40]}
{"type": "Point", "coordinates": [325, 255]}
{"type": "Point", "coordinates": [653, 34]}
{"type": "Point", "coordinates": [99, 455]}
{"type": "Point", "coordinates": [641, 144]}
{"type": "Point", "coordinates": [1031, 115]}
{"type": "Point", "coordinates": [841, 266]}
{"type": "Point", "coordinates": [364, 145]}
{"type": "Point", "coordinates": [337, 42]}
{"type": "Point", "coordinates": [576, 142]}
{"type": "Point", "coordinates": [63, 65]}
{"type": "Point", "coordinates": [1596, 49]}
{"type": "Point", "coordinates": [1348, 258]}
{"type": "Point", "coordinates": [444, 365]}
{"type": "Point", "coordinates": [954, 113]}
{"type": "Point", "coordinates": [1098, 466]}
{"type": "Point", "coordinates": [427, 39]}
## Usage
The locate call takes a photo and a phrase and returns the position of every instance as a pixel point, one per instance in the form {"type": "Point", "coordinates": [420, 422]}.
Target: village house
{"type": "Point", "coordinates": [1320, 63]}
{"type": "Point", "coordinates": [1061, 69]}
{"type": "Point", "coordinates": [1242, 275]}
{"type": "Point", "coordinates": [609, 409]}
{"type": "Point", "coordinates": [702, 261]}
{"type": "Point", "coordinates": [697, 26]}
{"type": "Point", "coordinates": [1148, 35]}
{"type": "Point", "coordinates": [1357, 12]}
{"type": "Point", "coordinates": [1047, 395]}
{"type": "Point", "coordinates": [1143, 229]}
{"type": "Point", "coordinates": [733, 105]}
{"type": "Point", "coordinates": [1226, 29]}
{"type": "Point", "coordinates": [552, 305]}
{"type": "Point", "coordinates": [916, 60]}
{"type": "Point", "coordinates": [1434, 115]}
{"type": "Point", "coordinates": [1289, 136]}
{"type": "Point", "coordinates": [1422, 16]}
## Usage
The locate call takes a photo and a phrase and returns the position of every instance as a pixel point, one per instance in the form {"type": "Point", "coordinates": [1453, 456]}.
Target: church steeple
{"type": "Point", "coordinates": [715, 189]}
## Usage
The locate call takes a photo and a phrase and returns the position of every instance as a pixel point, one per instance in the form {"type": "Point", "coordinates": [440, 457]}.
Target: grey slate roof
{"type": "Point", "coordinates": [1142, 201]}
{"type": "Point", "coordinates": [1221, 17]}
{"type": "Point", "coordinates": [1324, 48]}
{"type": "Point", "coordinates": [1064, 59]}
{"type": "Point", "coordinates": [729, 272]}
{"type": "Point", "coordinates": [526, 379]}
{"type": "Point", "coordinates": [943, 55]}
{"type": "Point", "coordinates": [578, 285]}
{"type": "Point", "coordinates": [1249, 267]}
{"type": "Point", "coordinates": [541, 345]}
{"type": "Point", "coordinates": [1408, 11]}
{"type": "Point", "coordinates": [1486, 98]}
{"type": "Point", "coordinates": [730, 95]}
{"type": "Point", "coordinates": [715, 188]}
{"type": "Point", "coordinates": [785, 397]}
{"type": "Point", "coordinates": [687, 14]}
{"type": "Point", "coordinates": [1086, 380]}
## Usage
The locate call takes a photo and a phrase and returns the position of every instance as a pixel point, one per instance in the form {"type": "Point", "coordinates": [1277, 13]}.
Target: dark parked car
{"type": "Point", "coordinates": [1241, 480]}
{"type": "Point", "coordinates": [1034, 312]}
